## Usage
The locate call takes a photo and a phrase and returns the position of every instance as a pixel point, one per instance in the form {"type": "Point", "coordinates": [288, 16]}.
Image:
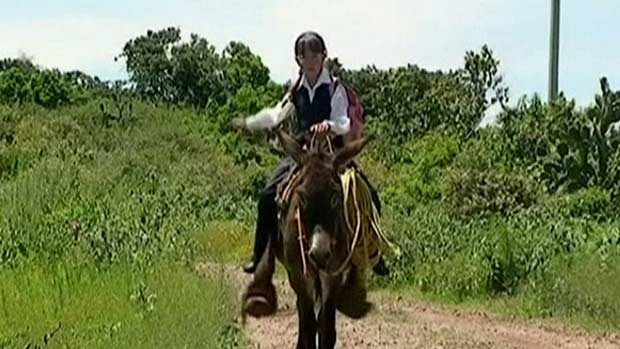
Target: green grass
{"type": "Point", "coordinates": [226, 240]}
{"type": "Point", "coordinates": [72, 306]}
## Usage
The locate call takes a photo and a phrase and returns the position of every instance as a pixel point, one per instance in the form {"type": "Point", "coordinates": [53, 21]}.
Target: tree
{"type": "Point", "coordinates": [196, 75]}
{"type": "Point", "coordinates": [242, 67]}
{"type": "Point", "coordinates": [569, 148]}
{"type": "Point", "coordinates": [163, 68]}
{"type": "Point", "coordinates": [407, 102]}
{"type": "Point", "coordinates": [149, 65]}
{"type": "Point", "coordinates": [21, 63]}
{"type": "Point", "coordinates": [483, 85]}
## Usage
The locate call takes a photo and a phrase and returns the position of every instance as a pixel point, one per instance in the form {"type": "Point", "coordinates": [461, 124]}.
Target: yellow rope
{"type": "Point", "coordinates": [301, 236]}
{"type": "Point", "coordinates": [360, 207]}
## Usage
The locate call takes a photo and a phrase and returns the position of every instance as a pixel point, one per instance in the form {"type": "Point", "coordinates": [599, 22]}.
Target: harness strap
{"type": "Point", "coordinates": [329, 143]}
{"type": "Point", "coordinates": [301, 237]}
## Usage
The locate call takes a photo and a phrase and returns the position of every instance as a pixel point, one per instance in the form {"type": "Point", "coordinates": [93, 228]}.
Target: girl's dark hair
{"type": "Point", "coordinates": [310, 41]}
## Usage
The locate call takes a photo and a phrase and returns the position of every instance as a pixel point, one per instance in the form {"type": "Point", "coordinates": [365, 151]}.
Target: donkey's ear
{"type": "Point", "coordinates": [290, 145]}
{"type": "Point", "coordinates": [349, 151]}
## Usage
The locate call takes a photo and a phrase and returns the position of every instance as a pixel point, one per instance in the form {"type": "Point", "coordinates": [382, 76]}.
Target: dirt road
{"type": "Point", "coordinates": [398, 322]}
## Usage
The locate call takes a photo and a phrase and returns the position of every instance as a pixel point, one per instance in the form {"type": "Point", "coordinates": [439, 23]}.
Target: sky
{"type": "Point", "coordinates": [88, 34]}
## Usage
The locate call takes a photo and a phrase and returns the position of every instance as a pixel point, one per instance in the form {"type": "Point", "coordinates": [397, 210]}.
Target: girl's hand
{"type": "Point", "coordinates": [320, 128]}
{"type": "Point", "coordinates": [239, 123]}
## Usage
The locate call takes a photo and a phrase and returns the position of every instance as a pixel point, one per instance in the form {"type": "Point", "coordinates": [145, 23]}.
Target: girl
{"type": "Point", "coordinates": [321, 107]}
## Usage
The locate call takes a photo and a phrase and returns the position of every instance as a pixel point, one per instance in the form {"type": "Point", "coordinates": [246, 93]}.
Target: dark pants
{"type": "Point", "coordinates": [267, 221]}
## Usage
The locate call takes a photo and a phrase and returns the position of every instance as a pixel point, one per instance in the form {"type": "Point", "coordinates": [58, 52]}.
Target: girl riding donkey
{"type": "Point", "coordinates": [321, 106]}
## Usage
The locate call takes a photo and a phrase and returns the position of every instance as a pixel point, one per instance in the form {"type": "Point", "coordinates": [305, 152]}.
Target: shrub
{"type": "Point", "coordinates": [475, 193]}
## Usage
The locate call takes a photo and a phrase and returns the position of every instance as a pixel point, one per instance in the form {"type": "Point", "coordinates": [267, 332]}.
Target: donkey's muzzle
{"type": "Point", "coordinates": [320, 248]}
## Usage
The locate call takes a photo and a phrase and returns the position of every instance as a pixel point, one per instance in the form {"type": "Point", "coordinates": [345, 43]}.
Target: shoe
{"type": "Point", "coordinates": [380, 268]}
{"type": "Point", "coordinates": [250, 267]}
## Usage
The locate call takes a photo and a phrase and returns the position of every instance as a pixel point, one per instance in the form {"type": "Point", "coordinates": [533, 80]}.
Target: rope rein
{"type": "Point", "coordinates": [302, 238]}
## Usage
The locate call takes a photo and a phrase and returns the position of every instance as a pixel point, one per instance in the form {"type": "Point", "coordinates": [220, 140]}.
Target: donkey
{"type": "Point", "coordinates": [314, 248]}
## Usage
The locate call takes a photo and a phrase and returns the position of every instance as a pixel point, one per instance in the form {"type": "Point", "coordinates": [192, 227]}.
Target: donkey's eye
{"type": "Point", "coordinates": [334, 201]}
{"type": "Point", "coordinates": [302, 200]}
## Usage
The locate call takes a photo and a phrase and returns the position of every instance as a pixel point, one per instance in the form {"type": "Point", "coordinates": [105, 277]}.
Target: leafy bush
{"type": "Point", "coordinates": [573, 148]}
{"type": "Point", "coordinates": [473, 193]}
{"type": "Point", "coordinates": [593, 203]}
{"type": "Point", "coordinates": [407, 102]}
{"type": "Point", "coordinates": [48, 88]}
{"type": "Point", "coordinates": [117, 194]}
{"type": "Point", "coordinates": [416, 178]}
{"type": "Point", "coordinates": [444, 278]}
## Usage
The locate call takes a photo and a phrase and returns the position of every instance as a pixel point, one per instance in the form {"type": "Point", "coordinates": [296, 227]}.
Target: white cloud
{"type": "Point", "coordinates": [76, 41]}
{"type": "Point", "coordinates": [432, 34]}
{"type": "Point", "coordinates": [388, 33]}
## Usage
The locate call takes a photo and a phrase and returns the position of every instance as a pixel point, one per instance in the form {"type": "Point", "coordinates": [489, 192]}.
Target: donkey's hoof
{"type": "Point", "coordinates": [354, 309]}
{"type": "Point", "coordinates": [353, 301]}
{"type": "Point", "coordinates": [260, 301]}
{"type": "Point", "coordinates": [258, 306]}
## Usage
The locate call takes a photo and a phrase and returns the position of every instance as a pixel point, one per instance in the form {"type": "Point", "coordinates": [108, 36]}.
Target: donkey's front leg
{"type": "Point", "coordinates": [327, 324]}
{"type": "Point", "coordinates": [306, 335]}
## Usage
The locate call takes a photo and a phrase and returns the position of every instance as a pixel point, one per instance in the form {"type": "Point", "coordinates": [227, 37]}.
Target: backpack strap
{"type": "Point", "coordinates": [298, 82]}
{"type": "Point", "coordinates": [294, 88]}
{"type": "Point", "coordinates": [334, 86]}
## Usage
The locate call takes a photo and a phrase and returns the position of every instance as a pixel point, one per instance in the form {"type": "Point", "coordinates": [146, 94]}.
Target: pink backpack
{"type": "Point", "coordinates": [355, 112]}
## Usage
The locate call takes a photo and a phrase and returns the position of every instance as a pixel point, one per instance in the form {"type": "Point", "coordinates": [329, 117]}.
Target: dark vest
{"type": "Point", "coordinates": [310, 113]}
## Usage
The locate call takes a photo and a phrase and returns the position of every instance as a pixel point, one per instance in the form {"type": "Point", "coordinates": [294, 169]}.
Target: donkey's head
{"type": "Point", "coordinates": [319, 194]}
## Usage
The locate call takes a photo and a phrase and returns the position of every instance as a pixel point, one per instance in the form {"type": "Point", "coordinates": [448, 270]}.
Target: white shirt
{"type": "Point", "coordinates": [338, 120]}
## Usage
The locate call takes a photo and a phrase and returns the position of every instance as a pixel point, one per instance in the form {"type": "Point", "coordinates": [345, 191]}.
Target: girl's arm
{"type": "Point", "coordinates": [339, 121]}
{"type": "Point", "coordinates": [270, 117]}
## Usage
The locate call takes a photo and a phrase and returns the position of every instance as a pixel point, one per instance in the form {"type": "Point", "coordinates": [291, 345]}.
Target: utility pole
{"type": "Point", "coordinates": [554, 50]}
